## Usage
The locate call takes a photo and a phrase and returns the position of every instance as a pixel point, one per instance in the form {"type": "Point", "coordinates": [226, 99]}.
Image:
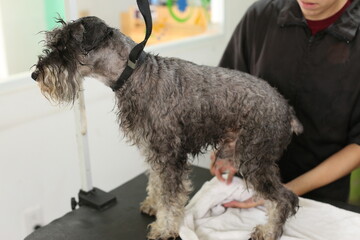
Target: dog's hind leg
{"type": "Point", "coordinates": [280, 204]}
{"type": "Point", "coordinates": [172, 186]}
{"type": "Point", "coordinates": [257, 151]}
{"type": "Point", "coordinates": [262, 173]}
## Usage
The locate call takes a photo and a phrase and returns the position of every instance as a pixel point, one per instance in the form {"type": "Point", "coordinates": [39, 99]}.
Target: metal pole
{"type": "Point", "coordinates": [82, 142]}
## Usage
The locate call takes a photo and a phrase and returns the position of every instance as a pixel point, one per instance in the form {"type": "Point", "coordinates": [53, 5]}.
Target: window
{"type": "Point", "coordinates": [172, 20]}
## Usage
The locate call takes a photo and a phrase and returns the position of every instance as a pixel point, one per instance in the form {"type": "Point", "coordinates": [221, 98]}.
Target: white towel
{"type": "Point", "coordinates": [206, 218]}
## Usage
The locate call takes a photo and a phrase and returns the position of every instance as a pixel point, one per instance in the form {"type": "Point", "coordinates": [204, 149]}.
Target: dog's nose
{"type": "Point", "coordinates": [34, 75]}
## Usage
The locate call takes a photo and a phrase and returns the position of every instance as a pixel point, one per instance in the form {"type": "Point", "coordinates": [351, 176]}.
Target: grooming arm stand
{"type": "Point", "coordinates": [88, 195]}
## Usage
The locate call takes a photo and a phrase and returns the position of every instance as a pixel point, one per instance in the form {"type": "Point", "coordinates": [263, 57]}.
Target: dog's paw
{"type": "Point", "coordinates": [158, 233]}
{"type": "Point", "coordinates": [263, 232]}
{"type": "Point", "coordinates": [147, 208]}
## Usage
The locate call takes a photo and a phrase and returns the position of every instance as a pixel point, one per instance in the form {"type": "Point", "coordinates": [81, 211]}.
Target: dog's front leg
{"type": "Point", "coordinates": [150, 205]}
{"type": "Point", "coordinates": [170, 185]}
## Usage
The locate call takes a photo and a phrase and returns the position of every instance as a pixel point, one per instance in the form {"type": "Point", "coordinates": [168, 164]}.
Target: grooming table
{"type": "Point", "coordinates": [123, 220]}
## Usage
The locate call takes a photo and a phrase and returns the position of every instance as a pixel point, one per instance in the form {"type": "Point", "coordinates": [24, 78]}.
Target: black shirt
{"type": "Point", "coordinates": [318, 74]}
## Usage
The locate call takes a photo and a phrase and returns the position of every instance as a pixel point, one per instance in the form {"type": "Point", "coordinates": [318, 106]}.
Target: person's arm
{"type": "Point", "coordinates": [333, 168]}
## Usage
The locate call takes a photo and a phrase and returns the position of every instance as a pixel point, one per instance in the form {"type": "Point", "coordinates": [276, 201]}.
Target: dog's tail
{"type": "Point", "coordinates": [296, 126]}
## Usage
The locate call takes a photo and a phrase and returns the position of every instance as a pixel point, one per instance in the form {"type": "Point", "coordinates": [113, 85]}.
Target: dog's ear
{"type": "Point", "coordinates": [95, 31]}
{"type": "Point", "coordinates": [77, 32]}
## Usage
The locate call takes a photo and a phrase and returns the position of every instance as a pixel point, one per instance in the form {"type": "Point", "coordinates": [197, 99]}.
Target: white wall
{"type": "Point", "coordinates": [38, 156]}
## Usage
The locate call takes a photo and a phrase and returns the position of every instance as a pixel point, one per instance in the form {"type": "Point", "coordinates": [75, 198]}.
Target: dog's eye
{"type": "Point", "coordinates": [84, 52]}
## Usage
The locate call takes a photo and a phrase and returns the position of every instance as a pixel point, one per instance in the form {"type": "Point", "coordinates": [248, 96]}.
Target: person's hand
{"type": "Point", "coordinates": [221, 166]}
{"type": "Point", "coordinates": [250, 203]}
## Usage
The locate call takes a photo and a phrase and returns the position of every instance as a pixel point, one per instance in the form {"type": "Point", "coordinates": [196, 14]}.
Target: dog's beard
{"type": "Point", "coordinates": [58, 86]}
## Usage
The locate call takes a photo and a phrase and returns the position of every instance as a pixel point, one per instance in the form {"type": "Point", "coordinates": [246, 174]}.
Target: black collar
{"type": "Point", "coordinates": [137, 55]}
{"type": "Point", "coordinates": [129, 69]}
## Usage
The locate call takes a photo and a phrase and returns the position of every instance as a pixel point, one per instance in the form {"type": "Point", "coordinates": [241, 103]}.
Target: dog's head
{"type": "Point", "coordinates": [65, 62]}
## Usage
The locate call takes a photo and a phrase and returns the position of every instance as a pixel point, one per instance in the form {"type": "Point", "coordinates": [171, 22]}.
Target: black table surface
{"type": "Point", "coordinates": [123, 220]}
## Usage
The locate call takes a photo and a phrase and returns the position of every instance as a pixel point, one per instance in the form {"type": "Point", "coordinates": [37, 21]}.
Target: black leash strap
{"type": "Point", "coordinates": [137, 54]}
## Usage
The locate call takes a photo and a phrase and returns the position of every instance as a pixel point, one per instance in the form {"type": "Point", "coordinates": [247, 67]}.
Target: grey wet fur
{"type": "Point", "coordinates": [171, 108]}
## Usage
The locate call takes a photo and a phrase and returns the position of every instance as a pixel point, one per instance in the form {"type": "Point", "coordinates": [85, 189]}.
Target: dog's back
{"type": "Point", "coordinates": [199, 104]}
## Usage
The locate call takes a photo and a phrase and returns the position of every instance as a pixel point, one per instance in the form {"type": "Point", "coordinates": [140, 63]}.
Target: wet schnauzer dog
{"type": "Point", "coordinates": [171, 108]}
